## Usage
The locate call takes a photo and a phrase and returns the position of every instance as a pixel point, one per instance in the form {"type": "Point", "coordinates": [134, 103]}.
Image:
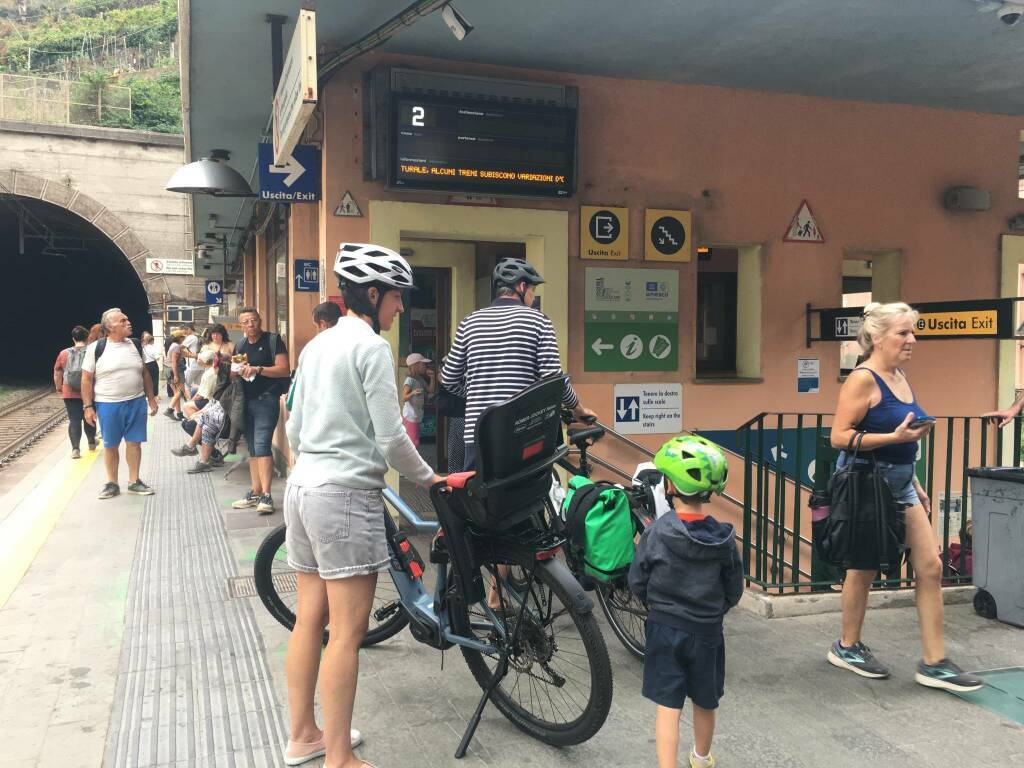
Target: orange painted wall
{"type": "Point", "coordinates": [873, 174]}
{"type": "Point", "coordinates": [303, 243]}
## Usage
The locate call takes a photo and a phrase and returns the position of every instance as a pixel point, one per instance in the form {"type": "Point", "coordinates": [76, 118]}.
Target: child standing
{"type": "Point", "coordinates": [689, 574]}
{"type": "Point", "coordinates": [413, 395]}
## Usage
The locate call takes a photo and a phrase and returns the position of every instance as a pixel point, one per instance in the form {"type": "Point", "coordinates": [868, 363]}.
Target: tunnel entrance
{"type": "Point", "coordinates": [59, 271]}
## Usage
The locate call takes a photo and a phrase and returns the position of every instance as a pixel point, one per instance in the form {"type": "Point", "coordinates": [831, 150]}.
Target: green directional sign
{"type": "Point", "coordinates": [631, 320]}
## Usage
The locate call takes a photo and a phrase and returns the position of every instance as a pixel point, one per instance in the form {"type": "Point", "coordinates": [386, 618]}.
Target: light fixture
{"type": "Point", "coordinates": [456, 22]}
{"type": "Point", "coordinates": [210, 176]}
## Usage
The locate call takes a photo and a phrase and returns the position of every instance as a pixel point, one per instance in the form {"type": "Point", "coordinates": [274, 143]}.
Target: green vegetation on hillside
{"type": "Point", "coordinates": [100, 43]}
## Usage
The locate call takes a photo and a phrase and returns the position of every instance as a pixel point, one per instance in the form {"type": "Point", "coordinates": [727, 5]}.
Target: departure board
{"type": "Point", "coordinates": [458, 145]}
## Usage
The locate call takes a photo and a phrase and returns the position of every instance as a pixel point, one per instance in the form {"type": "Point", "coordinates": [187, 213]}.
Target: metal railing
{"type": "Point", "coordinates": [619, 472]}
{"type": "Point", "coordinates": [68, 102]}
{"type": "Point", "coordinates": [787, 456]}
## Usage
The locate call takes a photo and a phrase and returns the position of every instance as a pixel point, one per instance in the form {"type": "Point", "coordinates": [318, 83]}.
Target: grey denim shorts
{"type": "Point", "coordinates": [335, 531]}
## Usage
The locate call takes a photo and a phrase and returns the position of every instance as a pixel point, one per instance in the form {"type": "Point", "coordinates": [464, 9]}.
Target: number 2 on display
{"type": "Point", "coordinates": [418, 113]}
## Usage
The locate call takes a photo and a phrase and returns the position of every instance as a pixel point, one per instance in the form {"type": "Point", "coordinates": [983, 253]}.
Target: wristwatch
{"type": "Point", "coordinates": [260, 373]}
{"type": "Point", "coordinates": [89, 405]}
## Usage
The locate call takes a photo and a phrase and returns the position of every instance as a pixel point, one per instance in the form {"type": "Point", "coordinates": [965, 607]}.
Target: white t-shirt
{"type": "Point", "coordinates": [207, 385]}
{"type": "Point", "coordinates": [118, 375]}
{"type": "Point", "coordinates": [151, 353]}
{"type": "Point", "coordinates": [191, 343]}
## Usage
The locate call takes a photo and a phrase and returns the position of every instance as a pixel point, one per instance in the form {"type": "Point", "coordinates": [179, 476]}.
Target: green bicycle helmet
{"type": "Point", "coordinates": [695, 465]}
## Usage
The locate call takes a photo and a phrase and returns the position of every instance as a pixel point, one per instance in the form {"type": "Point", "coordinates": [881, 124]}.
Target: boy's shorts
{"type": "Point", "coordinates": [680, 665]}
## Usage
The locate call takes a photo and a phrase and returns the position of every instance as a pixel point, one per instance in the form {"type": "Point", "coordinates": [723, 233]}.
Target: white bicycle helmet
{"type": "Point", "coordinates": [368, 263]}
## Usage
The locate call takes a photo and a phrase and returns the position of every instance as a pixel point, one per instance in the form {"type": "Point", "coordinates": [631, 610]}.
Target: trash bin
{"type": "Point", "coordinates": [997, 509]}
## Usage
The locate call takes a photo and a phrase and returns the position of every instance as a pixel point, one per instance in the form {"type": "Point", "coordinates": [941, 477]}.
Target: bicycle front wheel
{"type": "Point", "coordinates": [276, 585]}
{"type": "Point", "coordinates": [558, 688]}
{"type": "Point", "coordinates": [626, 615]}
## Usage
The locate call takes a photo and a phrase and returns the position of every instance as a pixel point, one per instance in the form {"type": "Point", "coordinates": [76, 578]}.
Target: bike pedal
{"type": "Point", "coordinates": [382, 614]}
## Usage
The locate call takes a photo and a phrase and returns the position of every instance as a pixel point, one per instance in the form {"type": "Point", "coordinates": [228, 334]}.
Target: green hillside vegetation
{"type": "Point", "coordinates": [98, 44]}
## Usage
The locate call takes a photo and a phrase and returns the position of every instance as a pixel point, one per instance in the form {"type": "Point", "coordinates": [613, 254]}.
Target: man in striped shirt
{"type": "Point", "coordinates": [502, 349]}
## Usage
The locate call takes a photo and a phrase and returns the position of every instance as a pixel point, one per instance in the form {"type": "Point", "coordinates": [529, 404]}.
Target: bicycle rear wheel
{"type": "Point", "coordinates": [276, 586]}
{"type": "Point", "coordinates": [626, 615]}
{"type": "Point", "coordinates": [558, 688]}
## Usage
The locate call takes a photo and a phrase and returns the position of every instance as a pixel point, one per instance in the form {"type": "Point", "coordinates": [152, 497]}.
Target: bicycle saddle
{"type": "Point", "coordinates": [579, 436]}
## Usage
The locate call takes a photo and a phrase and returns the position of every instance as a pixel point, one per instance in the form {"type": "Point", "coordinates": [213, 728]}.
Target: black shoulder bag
{"type": "Point", "coordinates": [864, 529]}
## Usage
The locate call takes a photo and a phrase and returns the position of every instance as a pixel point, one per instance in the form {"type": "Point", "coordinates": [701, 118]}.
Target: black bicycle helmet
{"type": "Point", "coordinates": [512, 271]}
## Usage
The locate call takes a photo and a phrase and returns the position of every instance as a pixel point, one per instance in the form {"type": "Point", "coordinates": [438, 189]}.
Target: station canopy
{"type": "Point", "coordinates": [937, 53]}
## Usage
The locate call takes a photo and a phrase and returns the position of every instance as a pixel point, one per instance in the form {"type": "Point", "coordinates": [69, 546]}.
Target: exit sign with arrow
{"type": "Point", "coordinates": [296, 180]}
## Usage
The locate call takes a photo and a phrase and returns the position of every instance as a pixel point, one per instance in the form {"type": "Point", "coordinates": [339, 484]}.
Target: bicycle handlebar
{"type": "Point", "coordinates": [568, 417]}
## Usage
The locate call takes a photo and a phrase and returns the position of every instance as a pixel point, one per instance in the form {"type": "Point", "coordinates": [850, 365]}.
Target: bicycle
{"type": "Point", "coordinates": [625, 613]}
{"type": "Point", "coordinates": [276, 581]}
{"type": "Point", "coordinates": [533, 644]}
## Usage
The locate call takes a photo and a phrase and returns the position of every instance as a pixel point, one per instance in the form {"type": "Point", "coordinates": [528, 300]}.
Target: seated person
{"type": "Point", "coordinates": [206, 428]}
{"type": "Point", "coordinates": [207, 384]}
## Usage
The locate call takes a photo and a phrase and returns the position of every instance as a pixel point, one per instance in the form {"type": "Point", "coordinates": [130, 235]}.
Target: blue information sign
{"type": "Point", "coordinates": [297, 181]}
{"type": "Point", "coordinates": [214, 292]}
{"type": "Point", "coordinates": [307, 275]}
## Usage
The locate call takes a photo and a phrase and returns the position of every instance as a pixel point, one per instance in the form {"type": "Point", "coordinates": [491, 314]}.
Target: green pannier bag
{"type": "Point", "coordinates": [600, 527]}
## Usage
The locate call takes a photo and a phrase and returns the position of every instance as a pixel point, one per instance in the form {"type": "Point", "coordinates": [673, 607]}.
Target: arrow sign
{"type": "Point", "coordinates": [307, 275]}
{"type": "Point", "coordinates": [631, 409]}
{"type": "Point", "coordinates": [600, 347]}
{"type": "Point", "coordinates": [627, 409]}
{"type": "Point", "coordinates": [292, 167]}
{"type": "Point", "coordinates": [296, 180]}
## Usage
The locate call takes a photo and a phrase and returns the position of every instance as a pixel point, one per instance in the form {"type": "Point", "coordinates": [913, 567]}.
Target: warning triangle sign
{"type": "Point", "coordinates": [803, 228]}
{"type": "Point", "coordinates": [347, 206]}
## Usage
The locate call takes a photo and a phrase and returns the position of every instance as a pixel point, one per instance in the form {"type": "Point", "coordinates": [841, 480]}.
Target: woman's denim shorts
{"type": "Point", "coordinates": [900, 478]}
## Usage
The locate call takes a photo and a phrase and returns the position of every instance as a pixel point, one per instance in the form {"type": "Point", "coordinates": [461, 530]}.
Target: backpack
{"type": "Point", "coordinates": [101, 345]}
{"type": "Point", "coordinates": [600, 527]}
{"type": "Point", "coordinates": [73, 367]}
{"type": "Point", "coordinates": [283, 385]}
{"type": "Point", "coordinates": [864, 528]}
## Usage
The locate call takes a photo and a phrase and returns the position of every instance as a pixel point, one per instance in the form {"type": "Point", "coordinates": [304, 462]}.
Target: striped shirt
{"type": "Point", "coordinates": [499, 351]}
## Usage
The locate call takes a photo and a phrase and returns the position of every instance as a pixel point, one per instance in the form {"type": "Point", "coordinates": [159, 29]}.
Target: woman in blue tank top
{"type": "Point", "coordinates": [877, 399]}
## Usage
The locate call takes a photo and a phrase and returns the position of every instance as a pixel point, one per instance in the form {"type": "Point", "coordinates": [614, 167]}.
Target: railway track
{"type": "Point", "coordinates": [26, 419]}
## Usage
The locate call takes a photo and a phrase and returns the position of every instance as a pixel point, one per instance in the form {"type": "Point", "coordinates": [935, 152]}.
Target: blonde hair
{"type": "Point", "coordinates": [879, 319]}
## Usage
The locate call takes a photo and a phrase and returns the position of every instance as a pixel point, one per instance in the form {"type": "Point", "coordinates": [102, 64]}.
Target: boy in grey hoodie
{"type": "Point", "coordinates": [689, 574]}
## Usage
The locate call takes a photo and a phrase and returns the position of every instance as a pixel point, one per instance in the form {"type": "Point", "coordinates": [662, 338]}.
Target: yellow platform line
{"type": "Point", "coordinates": [26, 528]}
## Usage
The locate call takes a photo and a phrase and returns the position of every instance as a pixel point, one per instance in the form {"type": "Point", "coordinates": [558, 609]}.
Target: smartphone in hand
{"type": "Point", "coordinates": [918, 423]}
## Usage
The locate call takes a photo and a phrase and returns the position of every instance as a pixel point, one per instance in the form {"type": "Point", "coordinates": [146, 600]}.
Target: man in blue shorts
{"type": "Point", "coordinates": [115, 388]}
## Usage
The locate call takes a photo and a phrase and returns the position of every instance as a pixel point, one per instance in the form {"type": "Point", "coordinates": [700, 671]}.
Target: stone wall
{"type": "Point", "coordinates": [114, 179]}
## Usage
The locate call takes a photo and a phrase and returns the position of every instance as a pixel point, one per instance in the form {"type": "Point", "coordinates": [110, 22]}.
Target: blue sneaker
{"type": "Point", "coordinates": [947, 676]}
{"type": "Point", "coordinates": [858, 659]}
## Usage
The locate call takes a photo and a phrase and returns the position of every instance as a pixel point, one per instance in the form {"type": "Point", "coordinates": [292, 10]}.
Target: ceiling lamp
{"type": "Point", "coordinates": [210, 176]}
{"type": "Point", "coordinates": [456, 22]}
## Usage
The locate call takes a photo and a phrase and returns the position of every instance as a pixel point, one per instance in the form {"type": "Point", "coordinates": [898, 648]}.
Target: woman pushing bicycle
{"type": "Point", "coordinates": [345, 429]}
{"type": "Point", "coordinates": [877, 400]}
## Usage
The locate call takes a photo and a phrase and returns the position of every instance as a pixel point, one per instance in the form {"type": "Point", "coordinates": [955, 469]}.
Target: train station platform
{"type": "Point", "coordinates": [130, 636]}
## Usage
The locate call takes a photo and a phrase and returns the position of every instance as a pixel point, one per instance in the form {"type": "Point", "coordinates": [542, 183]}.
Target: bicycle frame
{"type": "Point", "coordinates": [426, 608]}
{"type": "Point", "coordinates": [431, 611]}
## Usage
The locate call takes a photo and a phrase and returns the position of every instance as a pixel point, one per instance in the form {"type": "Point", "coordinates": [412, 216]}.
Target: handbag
{"type": "Point", "coordinates": [449, 404]}
{"type": "Point", "coordinates": [864, 528]}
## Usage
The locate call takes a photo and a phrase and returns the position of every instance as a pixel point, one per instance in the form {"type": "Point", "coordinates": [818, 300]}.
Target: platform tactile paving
{"type": "Point", "coordinates": [194, 687]}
